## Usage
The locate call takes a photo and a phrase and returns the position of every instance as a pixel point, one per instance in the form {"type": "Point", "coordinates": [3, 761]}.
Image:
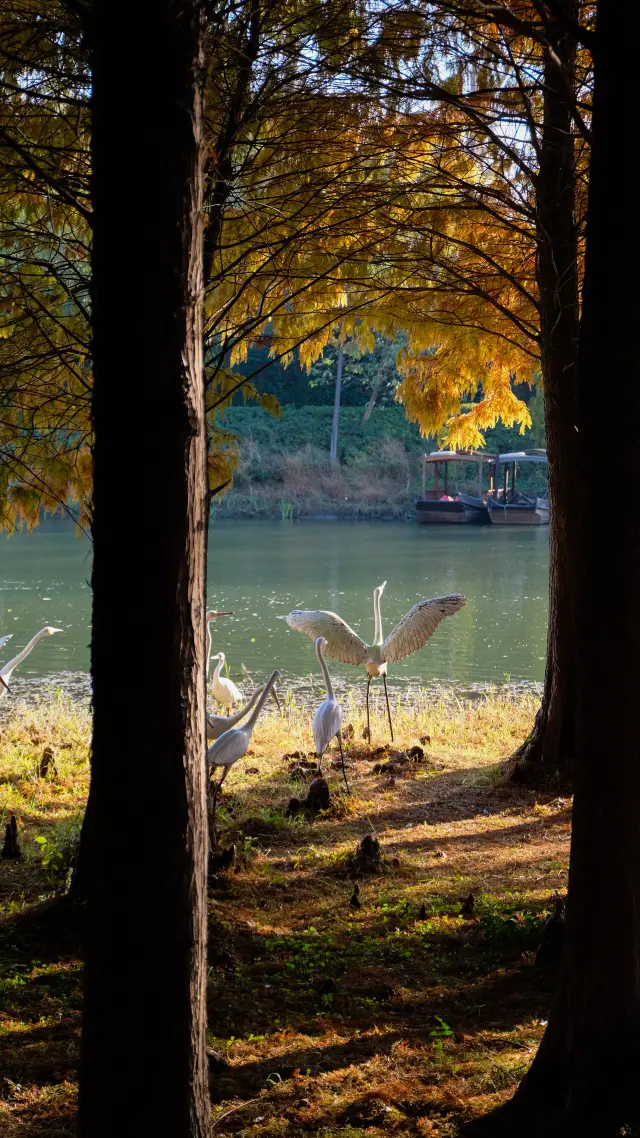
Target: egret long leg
{"type": "Point", "coordinates": [213, 834]}
{"type": "Point", "coordinates": [368, 722]}
{"type": "Point", "coordinates": [386, 696]}
{"type": "Point", "coordinates": [344, 770]}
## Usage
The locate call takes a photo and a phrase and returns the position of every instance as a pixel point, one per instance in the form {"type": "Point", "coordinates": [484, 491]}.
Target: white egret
{"type": "Point", "coordinates": [327, 721]}
{"type": "Point", "coordinates": [3, 640]}
{"type": "Point", "coordinates": [408, 636]}
{"type": "Point", "coordinates": [233, 744]}
{"type": "Point", "coordinates": [9, 668]}
{"type": "Point", "coordinates": [218, 724]}
{"type": "Point", "coordinates": [212, 614]}
{"type": "Point", "coordinates": [225, 692]}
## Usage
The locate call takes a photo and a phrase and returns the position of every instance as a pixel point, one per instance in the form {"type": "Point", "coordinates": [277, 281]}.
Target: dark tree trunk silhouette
{"type": "Point", "coordinates": [551, 745]}
{"type": "Point", "coordinates": [143, 1061]}
{"type": "Point", "coordinates": [584, 1080]}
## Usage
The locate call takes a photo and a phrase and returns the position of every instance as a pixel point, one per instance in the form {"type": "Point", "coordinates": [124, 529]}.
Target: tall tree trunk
{"type": "Point", "coordinates": [585, 1075]}
{"type": "Point", "coordinates": [551, 745]}
{"type": "Point", "coordinates": [143, 1062]}
{"type": "Point", "coordinates": [333, 450]}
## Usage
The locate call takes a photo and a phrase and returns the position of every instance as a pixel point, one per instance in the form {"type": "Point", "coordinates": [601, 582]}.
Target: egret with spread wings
{"type": "Point", "coordinates": [408, 636]}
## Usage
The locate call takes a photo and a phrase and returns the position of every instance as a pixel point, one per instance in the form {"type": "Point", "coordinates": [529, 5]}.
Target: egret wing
{"type": "Point", "coordinates": [418, 625]}
{"type": "Point", "coordinates": [342, 642]}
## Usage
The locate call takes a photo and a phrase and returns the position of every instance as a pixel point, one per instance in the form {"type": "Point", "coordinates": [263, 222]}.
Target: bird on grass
{"type": "Point", "coordinates": [8, 669]}
{"type": "Point", "coordinates": [327, 721]}
{"type": "Point", "coordinates": [225, 692]}
{"type": "Point", "coordinates": [3, 640]}
{"type": "Point", "coordinates": [234, 743]}
{"type": "Point", "coordinates": [354, 899]}
{"type": "Point", "coordinates": [212, 614]}
{"type": "Point", "coordinates": [408, 636]}
{"type": "Point", "coordinates": [218, 724]}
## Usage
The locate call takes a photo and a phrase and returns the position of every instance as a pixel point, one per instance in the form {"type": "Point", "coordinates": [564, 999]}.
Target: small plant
{"type": "Point", "coordinates": [286, 510]}
{"type": "Point", "coordinates": [58, 850]}
{"type": "Point", "coordinates": [438, 1036]}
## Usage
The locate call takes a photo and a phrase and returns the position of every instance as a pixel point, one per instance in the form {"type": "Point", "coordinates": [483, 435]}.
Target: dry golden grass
{"type": "Point", "coordinates": [335, 1021]}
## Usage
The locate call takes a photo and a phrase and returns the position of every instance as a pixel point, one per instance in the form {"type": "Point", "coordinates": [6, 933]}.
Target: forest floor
{"type": "Point", "coordinates": [336, 1021]}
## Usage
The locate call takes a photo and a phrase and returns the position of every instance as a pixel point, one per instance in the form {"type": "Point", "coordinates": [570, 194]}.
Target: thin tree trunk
{"type": "Point", "coordinates": [585, 1076]}
{"type": "Point", "coordinates": [550, 749]}
{"type": "Point", "coordinates": [373, 398]}
{"type": "Point", "coordinates": [333, 452]}
{"type": "Point", "coordinates": [143, 1061]}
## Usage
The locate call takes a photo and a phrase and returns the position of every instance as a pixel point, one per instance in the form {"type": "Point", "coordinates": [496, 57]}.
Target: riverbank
{"type": "Point", "coordinates": [402, 1017]}
{"type": "Point", "coordinates": [284, 470]}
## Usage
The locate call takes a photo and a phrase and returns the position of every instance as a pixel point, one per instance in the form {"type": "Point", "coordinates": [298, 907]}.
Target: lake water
{"type": "Point", "coordinates": [263, 569]}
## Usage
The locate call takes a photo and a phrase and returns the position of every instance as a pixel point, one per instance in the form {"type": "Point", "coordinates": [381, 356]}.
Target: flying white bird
{"type": "Point", "coordinates": [211, 615]}
{"type": "Point", "coordinates": [225, 692]}
{"type": "Point", "coordinates": [408, 636]}
{"type": "Point", "coordinates": [327, 721]}
{"type": "Point", "coordinates": [233, 744]}
{"type": "Point", "coordinates": [218, 724]}
{"type": "Point", "coordinates": [6, 671]}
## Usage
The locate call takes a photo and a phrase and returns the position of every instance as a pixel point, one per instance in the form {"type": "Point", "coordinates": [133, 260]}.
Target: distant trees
{"type": "Point", "coordinates": [143, 1056]}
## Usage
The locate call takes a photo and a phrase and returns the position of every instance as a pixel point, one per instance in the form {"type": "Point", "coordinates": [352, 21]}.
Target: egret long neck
{"type": "Point", "coordinates": [231, 720]}
{"type": "Point", "coordinates": [8, 668]}
{"type": "Point", "coordinates": [253, 718]}
{"type": "Point", "coordinates": [377, 638]}
{"type": "Point", "coordinates": [325, 671]}
{"type": "Point", "coordinates": [209, 642]}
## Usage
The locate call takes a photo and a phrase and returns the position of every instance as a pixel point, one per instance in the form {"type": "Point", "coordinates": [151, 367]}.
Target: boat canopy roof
{"type": "Point", "coordinates": [460, 456]}
{"type": "Point", "coordinates": [535, 455]}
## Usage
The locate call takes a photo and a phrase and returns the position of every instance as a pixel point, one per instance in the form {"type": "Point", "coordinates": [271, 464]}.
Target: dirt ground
{"type": "Point", "coordinates": [407, 1014]}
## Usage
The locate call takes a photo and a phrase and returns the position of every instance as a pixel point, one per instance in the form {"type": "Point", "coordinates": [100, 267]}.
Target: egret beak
{"type": "Point", "coordinates": [214, 614]}
{"type": "Point", "coordinates": [275, 696]}
{"type": "Point", "coordinates": [5, 685]}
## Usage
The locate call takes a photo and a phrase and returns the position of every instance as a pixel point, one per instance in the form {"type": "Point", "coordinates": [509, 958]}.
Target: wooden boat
{"type": "Point", "coordinates": [476, 509]}
{"type": "Point", "coordinates": [437, 506]}
{"type": "Point", "coordinates": [510, 506]}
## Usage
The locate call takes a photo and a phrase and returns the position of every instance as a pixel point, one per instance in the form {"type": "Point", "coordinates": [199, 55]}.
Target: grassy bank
{"type": "Point", "coordinates": [386, 1019]}
{"type": "Point", "coordinates": [284, 468]}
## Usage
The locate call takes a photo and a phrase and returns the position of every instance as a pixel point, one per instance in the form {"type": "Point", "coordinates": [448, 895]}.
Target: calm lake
{"type": "Point", "coordinates": [263, 569]}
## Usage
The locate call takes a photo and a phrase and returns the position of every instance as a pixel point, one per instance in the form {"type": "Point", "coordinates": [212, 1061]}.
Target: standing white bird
{"type": "Point", "coordinates": [225, 692]}
{"type": "Point", "coordinates": [327, 721]}
{"type": "Point", "coordinates": [233, 744]}
{"type": "Point", "coordinates": [6, 671]}
{"type": "Point", "coordinates": [343, 644]}
{"type": "Point", "coordinates": [218, 724]}
{"type": "Point", "coordinates": [3, 640]}
{"type": "Point", "coordinates": [212, 614]}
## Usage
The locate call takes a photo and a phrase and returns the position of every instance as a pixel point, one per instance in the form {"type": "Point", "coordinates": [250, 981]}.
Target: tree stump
{"type": "Point", "coordinates": [367, 858]}
{"type": "Point", "coordinates": [11, 848]}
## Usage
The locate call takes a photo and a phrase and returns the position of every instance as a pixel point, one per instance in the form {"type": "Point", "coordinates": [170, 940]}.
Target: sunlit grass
{"type": "Point", "coordinates": [340, 1022]}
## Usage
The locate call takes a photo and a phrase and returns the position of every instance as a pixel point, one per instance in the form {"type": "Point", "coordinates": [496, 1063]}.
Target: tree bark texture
{"type": "Point", "coordinates": [143, 1060]}
{"type": "Point", "coordinates": [551, 745]}
{"type": "Point", "coordinates": [586, 1070]}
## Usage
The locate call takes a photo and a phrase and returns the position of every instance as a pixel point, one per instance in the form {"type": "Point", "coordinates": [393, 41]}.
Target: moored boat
{"type": "Point", "coordinates": [437, 506]}
{"type": "Point", "coordinates": [511, 506]}
{"type": "Point", "coordinates": [475, 509]}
